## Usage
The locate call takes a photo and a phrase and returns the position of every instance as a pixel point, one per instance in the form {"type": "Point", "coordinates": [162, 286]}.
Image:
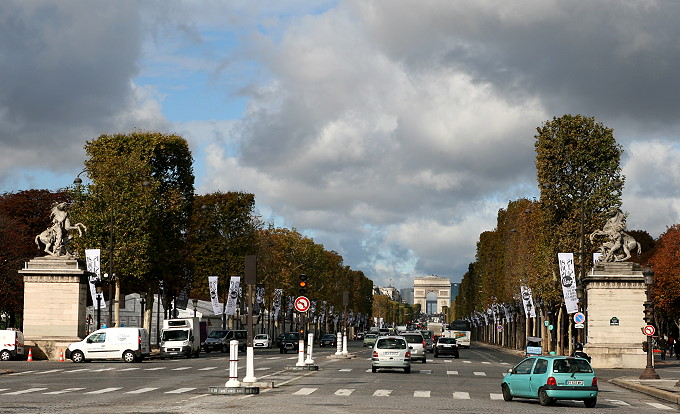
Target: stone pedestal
{"type": "Point", "coordinates": [55, 296]}
{"type": "Point", "coordinates": [615, 294]}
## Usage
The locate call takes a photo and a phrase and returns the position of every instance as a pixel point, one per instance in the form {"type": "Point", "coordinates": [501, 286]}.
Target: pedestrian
{"type": "Point", "coordinates": [663, 345]}
{"type": "Point", "coordinates": [676, 346]}
{"type": "Point", "coordinates": [671, 345]}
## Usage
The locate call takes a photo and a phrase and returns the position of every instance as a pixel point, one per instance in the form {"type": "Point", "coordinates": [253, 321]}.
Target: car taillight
{"type": "Point", "coordinates": [375, 354]}
{"type": "Point", "coordinates": [424, 346]}
{"type": "Point", "coordinates": [408, 354]}
{"type": "Point", "coordinates": [139, 339]}
{"type": "Point", "coordinates": [551, 381]}
{"type": "Point", "coordinates": [594, 383]}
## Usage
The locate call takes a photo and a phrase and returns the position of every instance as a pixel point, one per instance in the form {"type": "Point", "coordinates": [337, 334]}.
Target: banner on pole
{"type": "Point", "coordinates": [214, 297]}
{"type": "Point", "coordinates": [528, 301]}
{"type": "Point", "coordinates": [277, 303]}
{"type": "Point", "coordinates": [568, 281]}
{"type": "Point", "coordinates": [259, 299]}
{"type": "Point", "coordinates": [93, 261]}
{"type": "Point", "coordinates": [234, 290]}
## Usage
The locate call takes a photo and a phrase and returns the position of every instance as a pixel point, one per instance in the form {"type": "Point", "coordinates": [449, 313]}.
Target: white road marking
{"type": "Point", "coordinates": [154, 369]}
{"type": "Point", "coordinates": [179, 391]}
{"type": "Point", "coordinates": [82, 369]}
{"type": "Point", "coordinates": [49, 371]}
{"type": "Point", "coordinates": [104, 390]}
{"type": "Point", "coordinates": [382, 393]}
{"type": "Point", "coordinates": [496, 396]}
{"type": "Point", "coordinates": [305, 391]}
{"type": "Point", "coordinates": [618, 402]}
{"type": "Point", "coordinates": [344, 392]}
{"type": "Point", "coordinates": [481, 374]}
{"type": "Point", "coordinates": [64, 391]}
{"type": "Point", "coordinates": [345, 370]}
{"type": "Point", "coordinates": [142, 390]}
{"type": "Point", "coordinates": [424, 394]}
{"type": "Point", "coordinates": [451, 372]}
{"type": "Point", "coordinates": [467, 362]}
{"type": "Point", "coordinates": [181, 368]}
{"type": "Point", "coordinates": [26, 391]}
{"type": "Point", "coordinates": [426, 371]}
{"type": "Point", "coordinates": [460, 395]}
{"type": "Point", "coordinates": [660, 406]}
{"type": "Point", "coordinates": [206, 368]}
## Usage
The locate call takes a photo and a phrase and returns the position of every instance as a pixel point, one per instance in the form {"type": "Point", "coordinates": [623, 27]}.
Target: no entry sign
{"type": "Point", "coordinates": [648, 330]}
{"type": "Point", "coordinates": [301, 304]}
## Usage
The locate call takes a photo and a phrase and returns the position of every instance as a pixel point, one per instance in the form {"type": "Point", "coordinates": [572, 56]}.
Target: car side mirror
{"type": "Point", "coordinates": [510, 371]}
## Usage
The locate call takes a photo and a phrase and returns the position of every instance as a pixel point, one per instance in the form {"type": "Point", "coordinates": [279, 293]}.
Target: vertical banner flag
{"type": "Point", "coordinates": [92, 259]}
{"type": "Point", "coordinates": [566, 261]}
{"type": "Point", "coordinates": [259, 299]}
{"type": "Point", "coordinates": [289, 314]}
{"type": "Point", "coordinates": [277, 303]}
{"type": "Point", "coordinates": [528, 301]}
{"type": "Point", "coordinates": [212, 286]}
{"type": "Point", "coordinates": [596, 258]}
{"type": "Point", "coordinates": [234, 290]}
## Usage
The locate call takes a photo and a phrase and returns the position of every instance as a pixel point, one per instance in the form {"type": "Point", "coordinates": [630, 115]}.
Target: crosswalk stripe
{"type": "Point", "coordinates": [305, 391]}
{"type": "Point", "coordinates": [382, 393]}
{"type": "Point", "coordinates": [496, 396]}
{"type": "Point", "coordinates": [345, 370]}
{"type": "Point", "coordinates": [64, 391]}
{"type": "Point", "coordinates": [104, 390]}
{"type": "Point", "coordinates": [26, 391]}
{"type": "Point", "coordinates": [128, 369]}
{"type": "Point", "coordinates": [451, 372]}
{"type": "Point", "coordinates": [461, 395]}
{"type": "Point", "coordinates": [181, 368]}
{"type": "Point", "coordinates": [369, 370]}
{"type": "Point", "coordinates": [660, 406]}
{"type": "Point", "coordinates": [467, 362]}
{"type": "Point", "coordinates": [154, 369]}
{"type": "Point", "coordinates": [426, 371]}
{"type": "Point", "coordinates": [206, 368]}
{"type": "Point", "coordinates": [262, 369]}
{"type": "Point", "coordinates": [274, 357]}
{"type": "Point", "coordinates": [424, 394]}
{"type": "Point", "coordinates": [142, 390]}
{"type": "Point", "coordinates": [618, 402]}
{"type": "Point", "coordinates": [179, 391]}
{"type": "Point", "coordinates": [344, 392]}
{"type": "Point", "coordinates": [480, 374]}
{"type": "Point", "coordinates": [103, 369]}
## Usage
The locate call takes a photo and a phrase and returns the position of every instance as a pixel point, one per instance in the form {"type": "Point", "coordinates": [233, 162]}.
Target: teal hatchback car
{"type": "Point", "coordinates": [550, 378]}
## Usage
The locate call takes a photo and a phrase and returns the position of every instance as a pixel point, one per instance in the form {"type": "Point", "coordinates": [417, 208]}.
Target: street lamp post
{"type": "Point", "coordinates": [649, 372]}
{"type": "Point", "coordinates": [195, 303]}
{"type": "Point", "coordinates": [142, 300]}
{"type": "Point", "coordinates": [98, 288]}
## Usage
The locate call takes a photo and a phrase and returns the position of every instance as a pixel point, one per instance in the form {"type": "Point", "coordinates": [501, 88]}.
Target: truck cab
{"type": "Point", "coordinates": [180, 337]}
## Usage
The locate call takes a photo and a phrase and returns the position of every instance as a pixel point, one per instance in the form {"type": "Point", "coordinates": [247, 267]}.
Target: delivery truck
{"type": "Point", "coordinates": [180, 337]}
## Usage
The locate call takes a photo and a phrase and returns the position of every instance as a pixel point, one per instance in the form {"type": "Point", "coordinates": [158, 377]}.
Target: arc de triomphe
{"type": "Point", "coordinates": [440, 286]}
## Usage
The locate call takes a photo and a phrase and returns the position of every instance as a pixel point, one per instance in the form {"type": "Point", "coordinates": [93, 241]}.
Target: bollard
{"type": "Point", "coordinates": [301, 353]}
{"type": "Point", "coordinates": [250, 369]}
{"type": "Point", "coordinates": [344, 344]}
{"type": "Point", "coordinates": [233, 365]}
{"type": "Point", "coordinates": [338, 344]}
{"type": "Point", "coordinates": [310, 345]}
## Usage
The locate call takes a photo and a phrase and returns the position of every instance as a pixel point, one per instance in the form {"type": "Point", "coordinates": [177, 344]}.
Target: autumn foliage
{"type": "Point", "coordinates": [666, 265]}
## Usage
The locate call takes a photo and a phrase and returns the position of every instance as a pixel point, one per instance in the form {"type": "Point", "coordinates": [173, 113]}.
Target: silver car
{"type": "Point", "coordinates": [417, 344]}
{"type": "Point", "coordinates": [391, 352]}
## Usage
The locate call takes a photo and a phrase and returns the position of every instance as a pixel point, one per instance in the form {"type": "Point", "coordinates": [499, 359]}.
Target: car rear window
{"type": "Point", "coordinates": [391, 343]}
{"type": "Point", "coordinates": [570, 365]}
{"type": "Point", "coordinates": [369, 336]}
{"type": "Point", "coordinates": [446, 341]}
{"type": "Point", "coordinates": [412, 339]}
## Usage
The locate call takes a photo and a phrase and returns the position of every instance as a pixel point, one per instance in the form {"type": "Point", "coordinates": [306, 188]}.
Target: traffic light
{"type": "Point", "coordinates": [649, 312]}
{"type": "Point", "coordinates": [302, 284]}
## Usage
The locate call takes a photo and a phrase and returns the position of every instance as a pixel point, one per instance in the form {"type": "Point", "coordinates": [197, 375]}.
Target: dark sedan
{"type": "Point", "coordinates": [327, 340]}
{"type": "Point", "coordinates": [446, 346]}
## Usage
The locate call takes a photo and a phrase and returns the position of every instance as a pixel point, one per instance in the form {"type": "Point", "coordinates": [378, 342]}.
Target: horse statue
{"type": "Point", "coordinates": [57, 237]}
{"type": "Point", "coordinates": [619, 244]}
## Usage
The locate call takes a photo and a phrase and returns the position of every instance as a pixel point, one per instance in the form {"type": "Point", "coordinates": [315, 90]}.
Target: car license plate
{"type": "Point", "coordinates": [574, 382]}
{"type": "Point", "coordinates": [391, 353]}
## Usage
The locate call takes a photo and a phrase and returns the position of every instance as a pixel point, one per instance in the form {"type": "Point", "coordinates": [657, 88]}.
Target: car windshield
{"type": "Point", "coordinates": [570, 365]}
{"type": "Point", "coordinates": [370, 336]}
{"type": "Point", "coordinates": [217, 334]}
{"type": "Point", "coordinates": [260, 336]}
{"type": "Point", "coordinates": [292, 336]}
{"type": "Point", "coordinates": [328, 336]}
{"type": "Point", "coordinates": [413, 339]}
{"type": "Point", "coordinates": [446, 341]}
{"type": "Point", "coordinates": [391, 343]}
{"type": "Point", "coordinates": [175, 335]}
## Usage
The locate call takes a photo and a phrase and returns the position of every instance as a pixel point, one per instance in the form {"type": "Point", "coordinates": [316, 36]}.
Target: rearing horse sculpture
{"type": "Point", "coordinates": [57, 237]}
{"type": "Point", "coordinates": [619, 244]}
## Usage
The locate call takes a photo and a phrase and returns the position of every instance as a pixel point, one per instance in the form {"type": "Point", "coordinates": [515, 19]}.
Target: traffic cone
{"type": "Point", "coordinates": [61, 355]}
{"type": "Point", "coordinates": [30, 354]}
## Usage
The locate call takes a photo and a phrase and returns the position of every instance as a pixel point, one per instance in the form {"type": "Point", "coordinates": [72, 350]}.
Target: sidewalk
{"type": "Point", "coordinates": [663, 389]}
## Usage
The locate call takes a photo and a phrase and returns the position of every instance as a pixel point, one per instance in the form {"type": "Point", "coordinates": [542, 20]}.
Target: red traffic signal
{"type": "Point", "coordinates": [302, 284]}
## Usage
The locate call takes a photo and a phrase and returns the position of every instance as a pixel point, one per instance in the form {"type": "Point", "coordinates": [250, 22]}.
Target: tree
{"type": "Point", "coordinates": [137, 207]}
{"type": "Point", "coordinates": [23, 215]}
{"type": "Point", "coordinates": [666, 265]}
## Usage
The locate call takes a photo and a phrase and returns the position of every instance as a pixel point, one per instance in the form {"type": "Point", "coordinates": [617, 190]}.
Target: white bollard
{"type": "Point", "coordinates": [250, 368]}
{"type": "Point", "coordinates": [344, 344]}
{"type": "Point", "coordinates": [301, 353]}
{"type": "Point", "coordinates": [233, 365]}
{"type": "Point", "coordinates": [338, 344]}
{"type": "Point", "coordinates": [310, 345]}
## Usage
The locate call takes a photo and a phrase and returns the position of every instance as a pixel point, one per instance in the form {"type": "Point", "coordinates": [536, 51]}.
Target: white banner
{"type": "Point", "coordinates": [277, 303]}
{"type": "Point", "coordinates": [92, 261]}
{"type": "Point", "coordinates": [568, 280]}
{"type": "Point", "coordinates": [528, 301]}
{"type": "Point", "coordinates": [214, 297]}
{"type": "Point", "coordinates": [234, 288]}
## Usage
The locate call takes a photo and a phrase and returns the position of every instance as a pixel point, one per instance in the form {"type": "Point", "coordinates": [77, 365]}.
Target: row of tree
{"type": "Point", "coordinates": [139, 205]}
{"type": "Point", "coordinates": [580, 181]}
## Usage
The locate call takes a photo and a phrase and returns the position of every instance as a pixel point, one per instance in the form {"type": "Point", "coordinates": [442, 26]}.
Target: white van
{"type": "Point", "coordinates": [180, 337]}
{"type": "Point", "coordinates": [128, 344]}
{"type": "Point", "coordinates": [11, 344]}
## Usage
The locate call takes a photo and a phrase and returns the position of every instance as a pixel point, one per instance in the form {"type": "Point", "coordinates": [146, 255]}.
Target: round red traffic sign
{"type": "Point", "coordinates": [579, 317]}
{"type": "Point", "coordinates": [648, 330]}
{"type": "Point", "coordinates": [301, 304]}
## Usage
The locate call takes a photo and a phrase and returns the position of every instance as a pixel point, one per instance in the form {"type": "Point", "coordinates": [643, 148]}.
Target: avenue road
{"type": "Point", "coordinates": [470, 384]}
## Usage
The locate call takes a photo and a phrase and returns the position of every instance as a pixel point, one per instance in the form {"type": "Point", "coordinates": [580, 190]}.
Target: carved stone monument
{"type": "Point", "coordinates": [55, 291]}
{"type": "Point", "coordinates": [615, 293]}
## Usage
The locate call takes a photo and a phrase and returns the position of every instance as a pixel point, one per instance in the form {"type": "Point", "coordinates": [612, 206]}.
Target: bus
{"type": "Point", "coordinates": [461, 331]}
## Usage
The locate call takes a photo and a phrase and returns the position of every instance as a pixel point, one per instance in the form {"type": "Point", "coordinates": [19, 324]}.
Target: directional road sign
{"type": "Point", "coordinates": [648, 330]}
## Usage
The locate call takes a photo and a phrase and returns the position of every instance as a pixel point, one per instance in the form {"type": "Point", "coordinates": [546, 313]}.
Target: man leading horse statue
{"type": "Point", "coordinates": [617, 245]}
{"type": "Point", "coordinates": [57, 237]}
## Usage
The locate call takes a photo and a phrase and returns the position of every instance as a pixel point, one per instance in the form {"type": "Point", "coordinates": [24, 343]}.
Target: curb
{"type": "Point", "coordinates": [645, 389]}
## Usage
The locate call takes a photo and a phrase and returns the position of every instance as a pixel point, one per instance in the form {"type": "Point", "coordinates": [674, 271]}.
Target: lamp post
{"type": "Point", "coordinates": [195, 302]}
{"type": "Point", "coordinates": [649, 372]}
{"type": "Point", "coordinates": [142, 300]}
{"type": "Point", "coordinates": [98, 288]}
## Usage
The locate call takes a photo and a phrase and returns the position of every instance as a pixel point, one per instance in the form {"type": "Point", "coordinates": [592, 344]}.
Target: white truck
{"type": "Point", "coordinates": [180, 337]}
{"type": "Point", "coordinates": [11, 344]}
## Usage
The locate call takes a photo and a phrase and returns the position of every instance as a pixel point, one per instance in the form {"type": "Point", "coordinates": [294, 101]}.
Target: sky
{"type": "Point", "coordinates": [389, 131]}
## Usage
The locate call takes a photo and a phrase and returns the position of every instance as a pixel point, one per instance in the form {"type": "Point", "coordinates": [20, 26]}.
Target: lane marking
{"type": "Point", "coordinates": [496, 396]}
{"type": "Point", "coordinates": [179, 391]}
{"type": "Point", "coordinates": [382, 393]}
{"type": "Point", "coordinates": [346, 392]}
{"type": "Point", "coordinates": [104, 390]}
{"type": "Point", "coordinates": [24, 391]}
{"type": "Point", "coordinates": [181, 368]}
{"type": "Point", "coordinates": [64, 391]}
{"type": "Point", "coordinates": [426, 371]}
{"type": "Point", "coordinates": [206, 368]}
{"type": "Point", "coordinates": [480, 374]}
{"type": "Point", "coordinates": [142, 390]}
{"type": "Point", "coordinates": [452, 372]}
{"type": "Point", "coordinates": [660, 406]}
{"type": "Point", "coordinates": [421, 394]}
{"type": "Point", "coordinates": [305, 391]}
{"type": "Point", "coordinates": [461, 395]}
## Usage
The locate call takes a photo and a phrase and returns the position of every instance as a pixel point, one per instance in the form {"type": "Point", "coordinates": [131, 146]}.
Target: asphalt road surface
{"type": "Point", "coordinates": [470, 384]}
